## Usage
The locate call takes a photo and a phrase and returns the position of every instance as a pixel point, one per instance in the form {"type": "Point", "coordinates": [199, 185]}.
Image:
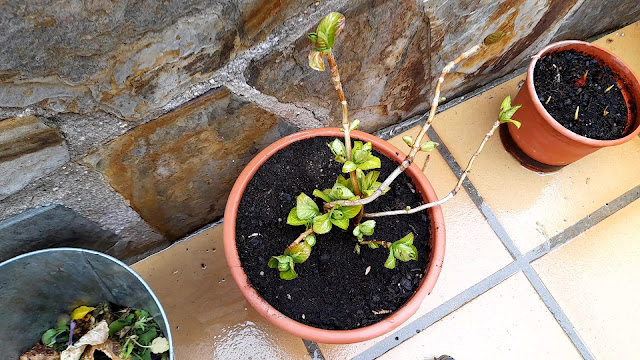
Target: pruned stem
{"type": "Point", "coordinates": [381, 243]}
{"type": "Point", "coordinates": [455, 189]}
{"type": "Point", "coordinates": [416, 145]}
{"type": "Point", "coordinates": [426, 162]}
{"type": "Point", "coordinates": [337, 84]}
{"type": "Point", "coordinates": [301, 237]}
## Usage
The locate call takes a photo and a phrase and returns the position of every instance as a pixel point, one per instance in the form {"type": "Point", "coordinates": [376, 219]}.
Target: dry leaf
{"type": "Point", "coordinates": [110, 348]}
{"type": "Point", "coordinates": [96, 336]}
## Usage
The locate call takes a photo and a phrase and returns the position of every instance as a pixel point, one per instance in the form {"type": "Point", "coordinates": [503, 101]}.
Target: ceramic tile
{"type": "Point", "coordinates": [209, 317]}
{"type": "Point", "coordinates": [626, 44]}
{"type": "Point", "coordinates": [473, 251]}
{"type": "Point", "coordinates": [507, 322]}
{"type": "Point", "coordinates": [534, 207]}
{"type": "Point", "coordinates": [598, 271]}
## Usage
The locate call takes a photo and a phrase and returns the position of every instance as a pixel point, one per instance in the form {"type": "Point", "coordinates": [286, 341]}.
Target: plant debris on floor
{"type": "Point", "coordinates": [106, 331]}
{"type": "Point", "coordinates": [336, 288]}
{"type": "Point", "coordinates": [581, 94]}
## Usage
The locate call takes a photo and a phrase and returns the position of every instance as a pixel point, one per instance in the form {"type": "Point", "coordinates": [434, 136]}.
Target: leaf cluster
{"type": "Point", "coordinates": [57, 337]}
{"type": "Point", "coordinates": [361, 156]}
{"type": "Point", "coordinates": [323, 39]}
{"type": "Point", "coordinates": [402, 250]}
{"type": "Point", "coordinates": [136, 331]}
{"type": "Point", "coordinates": [507, 111]}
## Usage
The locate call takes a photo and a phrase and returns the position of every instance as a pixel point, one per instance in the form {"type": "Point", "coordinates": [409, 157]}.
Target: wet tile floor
{"type": "Point", "coordinates": [536, 267]}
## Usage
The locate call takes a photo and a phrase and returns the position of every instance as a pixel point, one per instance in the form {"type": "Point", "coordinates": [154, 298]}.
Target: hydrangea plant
{"type": "Point", "coordinates": [344, 202]}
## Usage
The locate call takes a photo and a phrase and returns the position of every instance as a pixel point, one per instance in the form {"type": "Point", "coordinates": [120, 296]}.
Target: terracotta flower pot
{"type": "Point", "coordinates": [436, 243]}
{"type": "Point", "coordinates": [543, 144]}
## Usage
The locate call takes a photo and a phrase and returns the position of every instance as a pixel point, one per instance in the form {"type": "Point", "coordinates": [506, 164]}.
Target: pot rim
{"type": "Point", "coordinates": [578, 45]}
{"type": "Point", "coordinates": [382, 327]}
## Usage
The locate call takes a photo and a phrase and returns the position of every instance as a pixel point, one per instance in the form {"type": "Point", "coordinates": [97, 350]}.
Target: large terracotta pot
{"type": "Point", "coordinates": [436, 242]}
{"type": "Point", "coordinates": [542, 143]}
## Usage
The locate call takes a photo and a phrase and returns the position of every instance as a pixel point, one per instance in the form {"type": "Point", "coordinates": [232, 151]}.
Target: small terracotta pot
{"type": "Point", "coordinates": [542, 143]}
{"type": "Point", "coordinates": [436, 243]}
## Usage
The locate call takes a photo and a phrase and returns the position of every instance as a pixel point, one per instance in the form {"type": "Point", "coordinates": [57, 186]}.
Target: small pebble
{"type": "Point", "coordinates": [261, 273]}
{"type": "Point", "coordinates": [366, 272]}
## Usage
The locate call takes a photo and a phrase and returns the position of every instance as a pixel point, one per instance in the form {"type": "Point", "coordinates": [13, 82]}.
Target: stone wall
{"type": "Point", "coordinates": [135, 116]}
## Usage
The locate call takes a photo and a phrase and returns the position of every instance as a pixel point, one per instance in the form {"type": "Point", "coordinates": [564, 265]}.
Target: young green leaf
{"type": "Point", "coordinates": [337, 214]}
{"type": "Point", "coordinates": [339, 150]}
{"type": "Point", "coordinates": [306, 207]}
{"type": "Point", "coordinates": [322, 224]}
{"type": "Point", "coordinates": [288, 275]}
{"type": "Point", "coordinates": [507, 111]}
{"type": "Point", "coordinates": [373, 245]}
{"type": "Point", "coordinates": [340, 192]}
{"type": "Point", "coordinates": [310, 239]}
{"type": "Point", "coordinates": [357, 232]}
{"type": "Point", "coordinates": [372, 163]}
{"type": "Point", "coordinates": [356, 249]}
{"type": "Point", "coordinates": [350, 212]}
{"type": "Point", "coordinates": [330, 27]}
{"type": "Point", "coordinates": [404, 250]}
{"type": "Point", "coordinates": [348, 167]}
{"type": "Point", "coordinates": [429, 146]}
{"type": "Point", "coordinates": [367, 227]}
{"type": "Point", "coordinates": [408, 140]}
{"type": "Point", "coordinates": [391, 261]}
{"type": "Point", "coordinates": [321, 195]}
{"type": "Point", "coordinates": [506, 103]}
{"type": "Point", "coordinates": [354, 124]}
{"type": "Point", "coordinates": [341, 223]}
{"type": "Point", "coordinates": [299, 252]}
{"type": "Point", "coordinates": [276, 261]}
{"type": "Point", "coordinates": [293, 218]}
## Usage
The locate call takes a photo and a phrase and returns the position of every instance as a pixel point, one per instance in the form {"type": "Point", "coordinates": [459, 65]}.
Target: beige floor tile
{"type": "Point", "coordinates": [594, 278]}
{"type": "Point", "coordinates": [209, 317]}
{"type": "Point", "coordinates": [473, 250]}
{"type": "Point", "coordinates": [534, 207]}
{"type": "Point", "coordinates": [507, 322]}
{"type": "Point", "coordinates": [626, 44]}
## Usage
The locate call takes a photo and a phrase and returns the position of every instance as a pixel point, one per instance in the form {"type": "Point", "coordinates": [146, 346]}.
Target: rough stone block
{"type": "Point", "coordinates": [51, 227]}
{"type": "Point", "coordinates": [128, 57]}
{"type": "Point", "coordinates": [29, 149]}
{"type": "Point", "coordinates": [177, 170]}
{"type": "Point", "coordinates": [391, 53]}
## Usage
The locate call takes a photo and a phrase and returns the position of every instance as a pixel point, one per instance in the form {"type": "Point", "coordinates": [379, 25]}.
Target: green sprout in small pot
{"type": "Point", "coordinates": [343, 205]}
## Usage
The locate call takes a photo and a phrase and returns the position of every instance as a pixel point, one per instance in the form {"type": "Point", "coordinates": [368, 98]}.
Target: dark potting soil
{"type": "Point", "coordinates": [332, 290]}
{"type": "Point", "coordinates": [557, 76]}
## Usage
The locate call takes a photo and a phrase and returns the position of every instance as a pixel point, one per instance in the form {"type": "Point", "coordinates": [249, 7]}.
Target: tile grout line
{"type": "Point", "coordinates": [525, 261]}
{"type": "Point", "coordinates": [556, 310]}
{"type": "Point", "coordinates": [314, 350]}
{"type": "Point", "coordinates": [439, 312]}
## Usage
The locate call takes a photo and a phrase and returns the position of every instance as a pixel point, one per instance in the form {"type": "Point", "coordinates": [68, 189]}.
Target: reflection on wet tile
{"type": "Point", "coordinates": [507, 322]}
{"type": "Point", "coordinates": [473, 250]}
{"type": "Point", "coordinates": [209, 317]}
{"type": "Point", "coordinates": [598, 271]}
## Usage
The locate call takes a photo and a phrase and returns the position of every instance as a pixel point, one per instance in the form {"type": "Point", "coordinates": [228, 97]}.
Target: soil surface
{"type": "Point", "coordinates": [332, 290]}
{"type": "Point", "coordinates": [562, 88]}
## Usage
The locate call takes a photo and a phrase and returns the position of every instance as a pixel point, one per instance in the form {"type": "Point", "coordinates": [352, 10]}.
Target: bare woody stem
{"type": "Point", "coordinates": [301, 237]}
{"type": "Point", "coordinates": [455, 189]}
{"type": "Point", "coordinates": [337, 84]}
{"type": "Point", "coordinates": [418, 141]}
{"type": "Point", "coordinates": [381, 243]}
